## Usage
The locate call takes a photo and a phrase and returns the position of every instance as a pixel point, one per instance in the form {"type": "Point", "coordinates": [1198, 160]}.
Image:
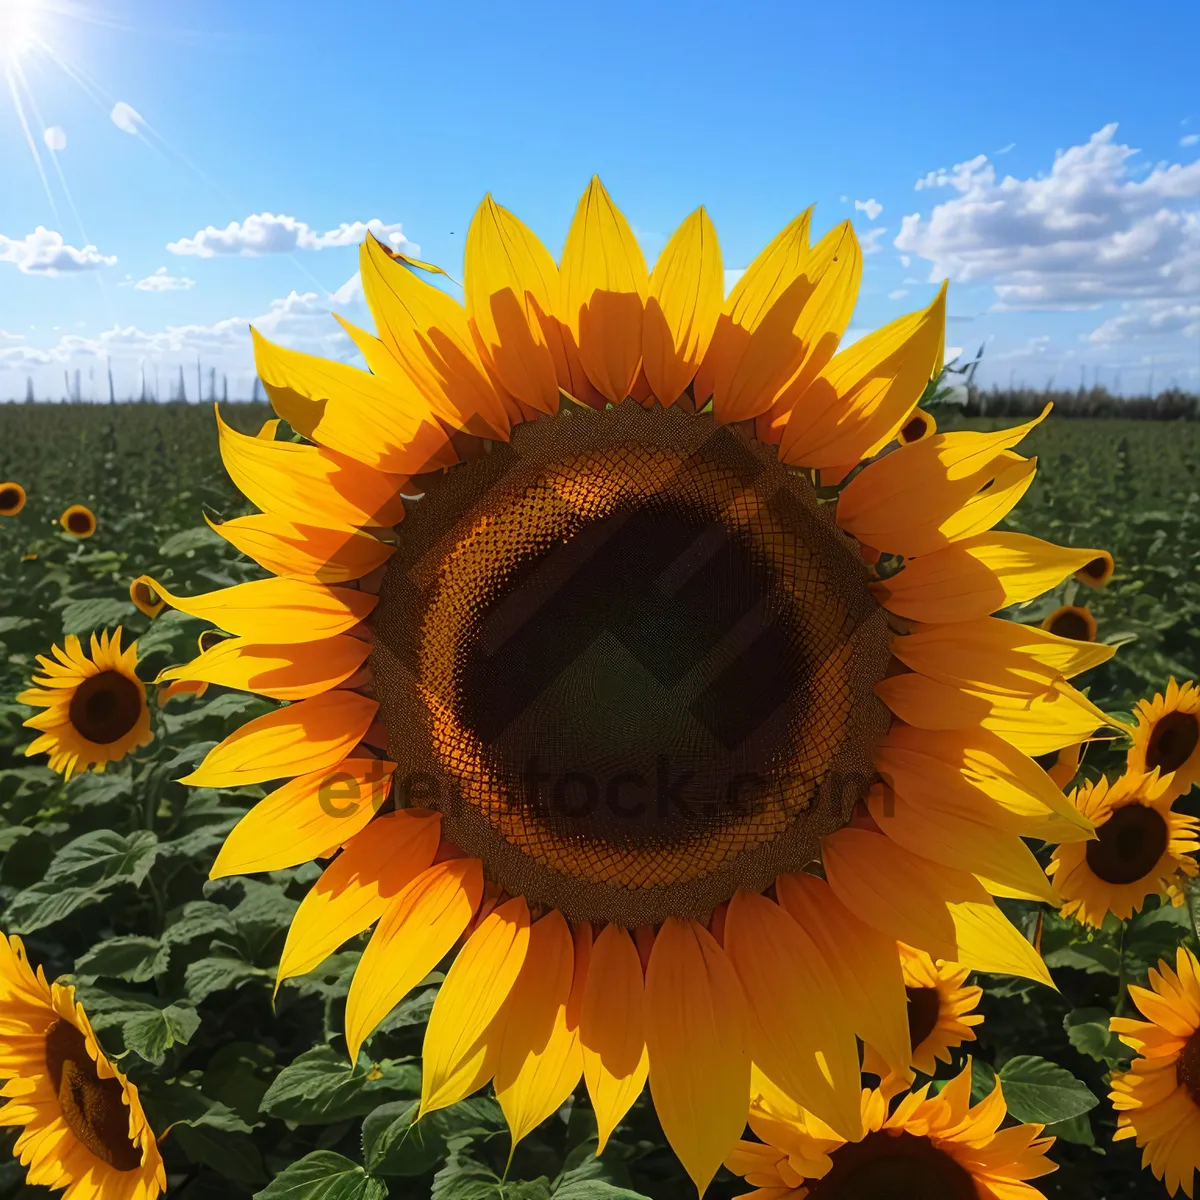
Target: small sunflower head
{"type": "Point", "coordinates": [1072, 621]}
{"type": "Point", "coordinates": [1167, 735]}
{"type": "Point", "coordinates": [1097, 572]}
{"type": "Point", "coordinates": [12, 498]}
{"type": "Point", "coordinates": [79, 521]}
{"type": "Point", "coordinates": [145, 598]}
{"type": "Point", "coordinates": [920, 424]}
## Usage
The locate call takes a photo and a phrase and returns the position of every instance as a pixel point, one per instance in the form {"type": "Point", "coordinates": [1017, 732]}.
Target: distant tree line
{"type": "Point", "coordinates": [1173, 404]}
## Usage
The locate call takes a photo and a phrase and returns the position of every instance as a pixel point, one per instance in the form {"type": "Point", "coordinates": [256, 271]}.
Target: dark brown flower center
{"type": "Point", "coordinates": [924, 1008]}
{"type": "Point", "coordinates": [1172, 741]}
{"type": "Point", "coordinates": [1187, 1068]}
{"type": "Point", "coordinates": [1071, 623]}
{"type": "Point", "coordinates": [1097, 568]}
{"type": "Point", "coordinates": [1128, 844]}
{"type": "Point", "coordinates": [9, 499]}
{"type": "Point", "coordinates": [106, 707]}
{"type": "Point", "coordinates": [79, 522]}
{"type": "Point", "coordinates": [915, 429]}
{"type": "Point", "coordinates": [887, 1166]}
{"type": "Point", "coordinates": [93, 1108]}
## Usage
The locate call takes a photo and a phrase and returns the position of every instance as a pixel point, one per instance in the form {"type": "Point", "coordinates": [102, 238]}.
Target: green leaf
{"type": "Point", "coordinates": [10, 835]}
{"type": "Point", "coordinates": [48, 902]}
{"type": "Point", "coordinates": [1077, 1130]}
{"type": "Point", "coordinates": [151, 1035]}
{"type": "Point", "coordinates": [136, 959]}
{"type": "Point", "coordinates": [105, 856]}
{"type": "Point", "coordinates": [189, 540]}
{"type": "Point", "coordinates": [323, 1175]}
{"type": "Point", "coordinates": [395, 1143]}
{"type": "Point", "coordinates": [464, 1177]}
{"type": "Point", "coordinates": [1038, 1090]}
{"type": "Point", "coordinates": [197, 919]}
{"type": "Point", "coordinates": [320, 1087]}
{"type": "Point", "coordinates": [593, 1189]}
{"type": "Point", "coordinates": [1087, 1030]}
{"type": "Point", "coordinates": [208, 975]}
{"type": "Point", "coordinates": [1096, 958]}
{"type": "Point", "coordinates": [103, 612]}
{"type": "Point", "coordinates": [233, 1155]}
{"type": "Point", "coordinates": [89, 790]}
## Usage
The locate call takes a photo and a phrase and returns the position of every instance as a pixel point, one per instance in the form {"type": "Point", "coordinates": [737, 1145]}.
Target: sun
{"type": "Point", "coordinates": [20, 27]}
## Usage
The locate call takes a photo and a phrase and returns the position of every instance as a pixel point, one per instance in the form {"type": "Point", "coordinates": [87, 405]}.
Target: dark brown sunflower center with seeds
{"type": "Point", "coordinates": [643, 657]}
{"type": "Point", "coordinates": [1187, 1068]}
{"type": "Point", "coordinates": [1173, 741]}
{"type": "Point", "coordinates": [886, 1166]}
{"type": "Point", "coordinates": [924, 1008]}
{"type": "Point", "coordinates": [915, 429]}
{"type": "Point", "coordinates": [79, 522]}
{"type": "Point", "coordinates": [1128, 844]}
{"type": "Point", "coordinates": [1097, 568]}
{"type": "Point", "coordinates": [94, 1109]}
{"type": "Point", "coordinates": [9, 499]}
{"type": "Point", "coordinates": [1071, 624]}
{"type": "Point", "coordinates": [106, 707]}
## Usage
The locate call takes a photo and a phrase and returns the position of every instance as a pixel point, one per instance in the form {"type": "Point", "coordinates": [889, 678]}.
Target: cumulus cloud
{"type": "Point", "coordinates": [55, 138]}
{"type": "Point", "coordinates": [5, 336]}
{"type": "Point", "coordinates": [127, 118]}
{"type": "Point", "coordinates": [1082, 234]}
{"type": "Point", "coordinates": [1152, 319]}
{"type": "Point", "coordinates": [267, 233]}
{"type": "Point", "coordinates": [44, 252]}
{"type": "Point", "coordinates": [1190, 139]}
{"type": "Point", "coordinates": [163, 281]}
{"type": "Point", "coordinates": [871, 207]}
{"type": "Point", "coordinates": [870, 241]}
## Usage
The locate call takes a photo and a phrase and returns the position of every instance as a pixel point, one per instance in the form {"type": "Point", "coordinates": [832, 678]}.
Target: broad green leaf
{"type": "Point", "coordinates": [233, 1155]}
{"type": "Point", "coordinates": [104, 612]}
{"type": "Point", "coordinates": [1087, 1031]}
{"type": "Point", "coordinates": [1096, 958]}
{"type": "Point", "coordinates": [464, 1177]}
{"type": "Point", "coordinates": [151, 1035]}
{"type": "Point", "coordinates": [1038, 1090]}
{"type": "Point", "coordinates": [197, 919]}
{"type": "Point", "coordinates": [1077, 1130]}
{"type": "Point", "coordinates": [136, 959]}
{"type": "Point", "coordinates": [188, 541]}
{"type": "Point", "coordinates": [321, 1087]}
{"type": "Point", "coordinates": [105, 856]}
{"type": "Point", "coordinates": [323, 1175]}
{"type": "Point", "coordinates": [208, 975]}
{"type": "Point", "coordinates": [92, 790]}
{"type": "Point", "coordinates": [394, 1145]}
{"type": "Point", "coordinates": [48, 902]}
{"type": "Point", "coordinates": [12, 834]}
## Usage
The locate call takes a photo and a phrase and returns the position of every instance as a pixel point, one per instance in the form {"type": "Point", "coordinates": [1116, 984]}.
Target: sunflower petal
{"type": "Point", "coordinates": [697, 1040]}
{"type": "Point", "coordinates": [686, 291]}
{"type": "Point", "coordinates": [801, 1037]}
{"type": "Point", "coordinates": [306, 817]}
{"type": "Point", "coordinates": [977, 576]}
{"type": "Point", "coordinates": [604, 286]}
{"type": "Point", "coordinates": [475, 989]}
{"type": "Point", "coordinates": [304, 551]}
{"type": "Point", "coordinates": [417, 930]}
{"type": "Point", "coordinates": [357, 887]}
{"type": "Point", "coordinates": [540, 1059]}
{"type": "Point", "coordinates": [311, 735]}
{"type": "Point", "coordinates": [612, 1029]}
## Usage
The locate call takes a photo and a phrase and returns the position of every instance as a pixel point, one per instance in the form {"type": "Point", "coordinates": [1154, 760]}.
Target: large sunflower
{"type": "Point", "coordinates": [937, 1147]}
{"type": "Point", "coordinates": [1141, 848]}
{"type": "Point", "coordinates": [84, 1128]}
{"type": "Point", "coordinates": [1158, 1098]}
{"type": "Point", "coordinates": [95, 708]}
{"type": "Point", "coordinates": [623, 670]}
{"type": "Point", "coordinates": [1167, 735]}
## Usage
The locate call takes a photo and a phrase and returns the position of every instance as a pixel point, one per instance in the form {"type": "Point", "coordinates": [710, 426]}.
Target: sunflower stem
{"type": "Point", "coordinates": [1122, 978]}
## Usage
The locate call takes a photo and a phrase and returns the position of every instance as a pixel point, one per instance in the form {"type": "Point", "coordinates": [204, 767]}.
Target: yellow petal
{"type": "Point", "coordinates": [418, 929]}
{"type": "Point", "coordinates": [864, 395]}
{"type": "Point", "coordinates": [280, 611]}
{"type": "Point", "coordinates": [801, 1037]}
{"type": "Point", "coordinates": [309, 483]}
{"type": "Point", "coordinates": [357, 887]}
{"type": "Point", "coordinates": [988, 941]}
{"type": "Point", "coordinates": [353, 412]}
{"type": "Point", "coordinates": [863, 962]}
{"type": "Point", "coordinates": [476, 987]}
{"type": "Point", "coordinates": [977, 576]}
{"type": "Point", "coordinates": [697, 1039]}
{"type": "Point", "coordinates": [306, 817]}
{"type": "Point", "coordinates": [289, 672]}
{"type": "Point", "coordinates": [604, 286]}
{"type": "Point", "coordinates": [761, 284]}
{"type": "Point", "coordinates": [540, 1059]}
{"type": "Point", "coordinates": [511, 286]}
{"type": "Point", "coordinates": [304, 551]}
{"type": "Point", "coordinates": [311, 735]}
{"type": "Point", "coordinates": [687, 287]}
{"type": "Point", "coordinates": [427, 334]}
{"type": "Point", "coordinates": [612, 1029]}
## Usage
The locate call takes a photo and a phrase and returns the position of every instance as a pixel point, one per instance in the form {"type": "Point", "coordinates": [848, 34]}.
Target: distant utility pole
{"type": "Point", "coordinates": [66, 384]}
{"type": "Point", "coordinates": [182, 385]}
{"type": "Point", "coordinates": [112, 395]}
{"type": "Point", "coordinates": [29, 389]}
{"type": "Point", "coordinates": [225, 387]}
{"type": "Point", "coordinates": [212, 385]}
{"type": "Point", "coordinates": [142, 397]}
{"type": "Point", "coordinates": [199, 385]}
{"type": "Point", "coordinates": [78, 390]}
{"type": "Point", "coordinates": [257, 389]}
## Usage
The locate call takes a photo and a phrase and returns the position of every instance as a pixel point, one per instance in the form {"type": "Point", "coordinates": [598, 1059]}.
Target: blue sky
{"type": "Point", "coordinates": [1044, 157]}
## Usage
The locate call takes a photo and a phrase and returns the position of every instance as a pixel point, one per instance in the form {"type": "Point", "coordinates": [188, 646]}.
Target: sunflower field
{"type": "Point", "coordinates": [254, 1063]}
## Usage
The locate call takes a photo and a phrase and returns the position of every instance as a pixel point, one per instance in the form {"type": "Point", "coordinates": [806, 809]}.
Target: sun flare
{"type": "Point", "coordinates": [20, 27]}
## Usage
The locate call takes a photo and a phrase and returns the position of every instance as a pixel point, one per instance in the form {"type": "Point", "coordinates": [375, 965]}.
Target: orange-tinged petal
{"type": "Point", "coordinates": [417, 930]}
{"type": "Point", "coordinates": [604, 286]}
{"type": "Point", "coordinates": [761, 284]}
{"type": "Point", "coordinates": [864, 395]}
{"type": "Point", "coordinates": [540, 1058]}
{"type": "Point", "coordinates": [304, 551]}
{"type": "Point", "coordinates": [306, 817]}
{"type": "Point", "coordinates": [511, 287]}
{"type": "Point", "coordinates": [612, 1029]}
{"type": "Point", "coordinates": [863, 962]}
{"type": "Point", "coordinates": [309, 483]}
{"type": "Point", "coordinates": [357, 887]}
{"type": "Point", "coordinates": [457, 1041]}
{"type": "Point", "coordinates": [697, 1039]}
{"type": "Point", "coordinates": [801, 1037]}
{"type": "Point", "coordinates": [977, 576]}
{"type": "Point", "coordinates": [280, 611]}
{"type": "Point", "coordinates": [288, 672]}
{"type": "Point", "coordinates": [311, 735]}
{"type": "Point", "coordinates": [353, 412]}
{"type": "Point", "coordinates": [687, 288]}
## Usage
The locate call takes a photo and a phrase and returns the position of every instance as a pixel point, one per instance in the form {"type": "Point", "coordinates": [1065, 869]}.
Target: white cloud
{"type": "Point", "coordinates": [127, 118]}
{"type": "Point", "coordinates": [1084, 233]}
{"type": "Point", "coordinates": [1190, 139]}
{"type": "Point", "coordinates": [1006, 149]}
{"type": "Point", "coordinates": [732, 275]}
{"type": "Point", "coordinates": [162, 281]}
{"type": "Point", "coordinates": [1152, 319]}
{"type": "Point", "coordinates": [898, 294]}
{"type": "Point", "coordinates": [266, 233]}
{"type": "Point", "coordinates": [5, 336]}
{"type": "Point", "coordinates": [43, 252]}
{"type": "Point", "coordinates": [905, 261]}
{"type": "Point", "coordinates": [871, 207]}
{"type": "Point", "coordinates": [55, 138]}
{"type": "Point", "coordinates": [871, 239]}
